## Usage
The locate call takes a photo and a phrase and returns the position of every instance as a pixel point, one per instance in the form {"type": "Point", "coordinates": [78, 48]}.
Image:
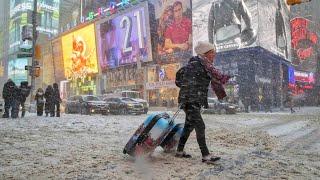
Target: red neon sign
{"type": "Point", "coordinates": [300, 32]}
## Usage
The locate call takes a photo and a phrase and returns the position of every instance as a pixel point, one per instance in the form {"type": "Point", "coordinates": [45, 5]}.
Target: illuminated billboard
{"type": "Point", "coordinates": [274, 27]}
{"type": "Point", "coordinates": [124, 38]}
{"type": "Point", "coordinates": [16, 70]}
{"type": "Point", "coordinates": [303, 41]}
{"type": "Point", "coordinates": [230, 24]}
{"type": "Point", "coordinates": [173, 30]}
{"type": "Point", "coordinates": [79, 53]}
{"type": "Point", "coordinates": [237, 24]}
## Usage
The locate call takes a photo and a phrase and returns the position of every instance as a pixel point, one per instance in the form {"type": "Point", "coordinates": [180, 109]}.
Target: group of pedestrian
{"type": "Point", "coordinates": [14, 97]}
{"type": "Point", "coordinates": [48, 101]}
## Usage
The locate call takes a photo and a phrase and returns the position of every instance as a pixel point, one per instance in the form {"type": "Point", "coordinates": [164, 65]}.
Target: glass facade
{"type": "Point", "coordinates": [21, 14]}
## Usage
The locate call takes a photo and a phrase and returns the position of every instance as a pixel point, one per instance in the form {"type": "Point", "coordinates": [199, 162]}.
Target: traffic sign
{"type": "Point", "coordinates": [25, 50]}
{"type": "Point", "coordinates": [23, 55]}
{"type": "Point", "coordinates": [27, 67]}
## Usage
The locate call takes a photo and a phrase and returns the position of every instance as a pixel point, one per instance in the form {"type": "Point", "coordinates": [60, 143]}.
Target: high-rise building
{"type": "Point", "coordinates": [19, 13]}
{"type": "Point", "coordinates": [75, 12]}
{"type": "Point", "coordinates": [4, 23]}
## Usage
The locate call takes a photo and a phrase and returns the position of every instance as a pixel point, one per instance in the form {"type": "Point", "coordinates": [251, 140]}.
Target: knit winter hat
{"type": "Point", "coordinates": [202, 47]}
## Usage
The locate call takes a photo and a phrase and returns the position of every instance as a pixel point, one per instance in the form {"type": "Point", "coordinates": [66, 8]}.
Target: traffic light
{"type": "Point", "coordinates": [36, 71]}
{"type": "Point", "coordinates": [294, 2]}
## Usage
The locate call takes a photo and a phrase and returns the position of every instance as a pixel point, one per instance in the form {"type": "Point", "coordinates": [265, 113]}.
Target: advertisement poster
{"type": "Point", "coordinates": [274, 27]}
{"type": "Point", "coordinates": [173, 27]}
{"type": "Point", "coordinates": [79, 53]}
{"type": "Point", "coordinates": [230, 24]}
{"type": "Point", "coordinates": [304, 40]}
{"type": "Point", "coordinates": [162, 76]}
{"type": "Point", "coordinates": [124, 76]}
{"type": "Point", "coordinates": [237, 24]}
{"type": "Point", "coordinates": [16, 70]}
{"type": "Point", "coordinates": [124, 38]}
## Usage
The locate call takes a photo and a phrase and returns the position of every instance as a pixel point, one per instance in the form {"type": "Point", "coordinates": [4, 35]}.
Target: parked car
{"type": "Point", "coordinates": [217, 107]}
{"type": "Point", "coordinates": [123, 105]}
{"type": "Point", "coordinates": [134, 95]}
{"type": "Point", "coordinates": [144, 103]}
{"type": "Point", "coordinates": [86, 104]}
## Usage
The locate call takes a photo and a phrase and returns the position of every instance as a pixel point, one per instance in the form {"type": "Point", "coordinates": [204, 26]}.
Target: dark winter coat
{"type": "Point", "coordinates": [39, 98]}
{"type": "Point", "coordinates": [194, 83]}
{"type": "Point", "coordinates": [49, 94]}
{"type": "Point", "coordinates": [56, 95]}
{"type": "Point", "coordinates": [10, 91]}
{"type": "Point", "coordinates": [24, 91]}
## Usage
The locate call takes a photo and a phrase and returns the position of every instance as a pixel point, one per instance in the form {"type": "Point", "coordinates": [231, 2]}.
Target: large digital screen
{"type": "Point", "coordinates": [124, 38]}
{"type": "Point", "coordinates": [79, 53]}
{"type": "Point", "coordinates": [230, 24]}
{"type": "Point", "coordinates": [237, 24]}
{"type": "Point", "coordinates": [303, 41]}
{"type": "Point", "coordinates": [274, 27]}
{"type": "Point", "coordinates": [173, 30]}
{"type": "Point", "coordinates": [16, 70]}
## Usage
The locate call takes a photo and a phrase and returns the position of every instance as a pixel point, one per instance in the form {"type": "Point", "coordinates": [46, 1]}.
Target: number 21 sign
{"type": "Point", "coordinates": [125, 38]}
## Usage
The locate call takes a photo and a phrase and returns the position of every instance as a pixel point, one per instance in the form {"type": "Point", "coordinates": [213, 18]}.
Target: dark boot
{"type": "Point", "coordinates": [5, 115]}
{"type": "Point", "coordinates": [23, 114]}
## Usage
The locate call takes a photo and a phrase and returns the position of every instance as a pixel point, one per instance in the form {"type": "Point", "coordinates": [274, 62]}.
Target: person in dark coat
{"type": "Point", "coordinates": [10, 94]}
{"type": "Point", "coordinates": [56, 99]}
{"type": "Point", "coordinates": [49, 106]}
{"type": "Point", "coordinates": [193, 81]}
{"type": "Point", "coordinates": [24, 92]}
{"type": "Point", "coordinates": [39, 98]}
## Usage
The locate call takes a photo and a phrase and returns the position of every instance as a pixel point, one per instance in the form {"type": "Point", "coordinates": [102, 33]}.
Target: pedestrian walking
{"type": "Point", "coordinates": [291, 102]}
{"type": "Point", "coordinates": [56, 99]}
{"type": "Point", "coordinates": [9, 95]}
{"type": "Point", "coordinates": [49, 106]}
{"type": "Point", "coordinates": [23, 93]}
{"type": "Point", "coordinates": [193, 81]}
{"type": "Point", "coordinates": [39, 98]}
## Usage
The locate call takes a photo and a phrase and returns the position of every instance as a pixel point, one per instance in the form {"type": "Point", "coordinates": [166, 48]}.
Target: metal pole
{"type": "Point", "coordinates": [34, 40]}
{"type": "Point", "coordinates": [281, 87]}
{"type": "Point", "coordinates": [81, 19]}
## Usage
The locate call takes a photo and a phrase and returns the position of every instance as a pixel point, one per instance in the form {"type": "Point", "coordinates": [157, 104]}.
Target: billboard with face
{"type": "Point", "coordinates": [173, 30]}
{"type": "Point", "coordinates": [79, 53]}
{"type": "Point", "coordinates": [124, 38]}
{"type": "Point", "coordinates": [16, 70]}
{"type": "Point", "coordinates": [230, 24]}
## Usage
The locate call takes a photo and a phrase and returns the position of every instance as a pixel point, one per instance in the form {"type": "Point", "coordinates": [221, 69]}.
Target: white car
{"type": "Point", "coordinates": [217, 107]}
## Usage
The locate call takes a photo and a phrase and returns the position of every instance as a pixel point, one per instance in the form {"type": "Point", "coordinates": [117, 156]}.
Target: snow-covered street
{"type": "Point", "coordinates": [276, 145]}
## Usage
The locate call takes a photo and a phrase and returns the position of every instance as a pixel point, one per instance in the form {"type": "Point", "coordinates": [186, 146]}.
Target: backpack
{"type": "Point", "coordinates": [180, 76]}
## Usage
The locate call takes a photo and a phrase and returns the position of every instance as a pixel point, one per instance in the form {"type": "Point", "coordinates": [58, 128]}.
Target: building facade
{"type": "Point", "coordinates": [16, 14]}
